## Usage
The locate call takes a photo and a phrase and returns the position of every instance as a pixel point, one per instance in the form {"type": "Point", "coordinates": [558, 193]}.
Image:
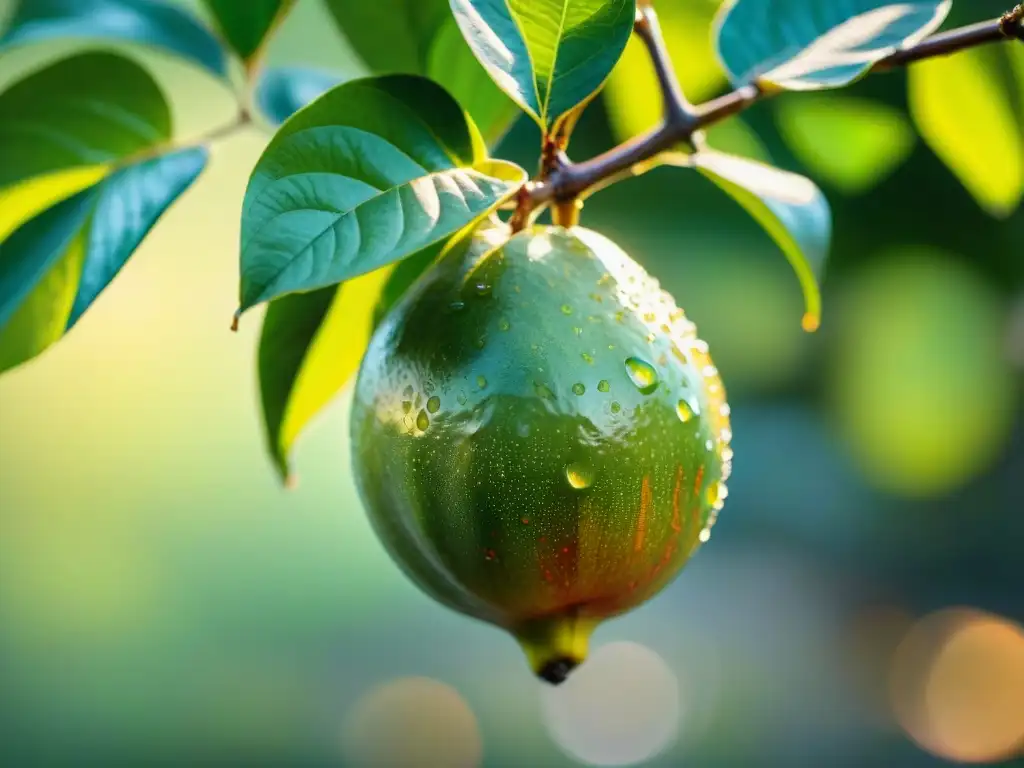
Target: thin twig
{"type": "Point", "coordinates": [682, 120]}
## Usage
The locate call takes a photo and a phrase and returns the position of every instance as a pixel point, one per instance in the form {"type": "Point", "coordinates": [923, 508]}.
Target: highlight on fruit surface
{"type": "Point", "coordinates": [540, 439]}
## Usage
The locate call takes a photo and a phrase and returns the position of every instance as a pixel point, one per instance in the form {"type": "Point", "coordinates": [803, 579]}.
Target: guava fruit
{"type": "Point", "coordinates": [540, 439]}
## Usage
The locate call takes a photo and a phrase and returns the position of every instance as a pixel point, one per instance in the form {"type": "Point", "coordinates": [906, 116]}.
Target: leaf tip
{"type": "Point", "coordinates": [810, 322]}
{"type": "Point", "coordinates": [291, 482]}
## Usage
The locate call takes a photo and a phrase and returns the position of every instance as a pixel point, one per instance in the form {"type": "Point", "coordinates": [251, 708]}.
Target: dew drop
{"type": "Point", "coordinates": [642, 374]}
{"type": "Point", "coordinates": [710, 445]}
{"type": "Point", "coordinates": [481, 342]}
{"type": "Point", "coordinates": [481, 382]}
{"type": "Point", "coordinates": [587, 358]}
{"type": "Point", "coordinates": [579, 475]}
{"type": "Point", "coordinates": [705, 536]}
{"type": "Point", "coordinates": [406, 406]}
{"type": "Point", "coordinates": [422, 421]}
{"type": "Point", "coordinates": [408, 392]}
{"type": "Point", "coordinates": [457, 305]}
{"type": "Point", "coordinates": [685, 410]}
{"type": "Point", "coordinates": [433, 404]}
{"type": "Point", "coordinates": [566, 309]}
{"type": "Point", "coordinates": [603, 386]}
{"type": "Point", "coordinates": [616, 407]}
{"type": "Point", "coordinates": [483, 289]}
{"type": "Point", "coordinates": [578, 388]}
{"type": "Point", "coordinates": [725, 410]}
{"type": "Point", "coordinates": [577, 330]}
{"type": "Point", "coordinates": [461, 398]}
{"type": "Point", "coordinates": [504, 324]}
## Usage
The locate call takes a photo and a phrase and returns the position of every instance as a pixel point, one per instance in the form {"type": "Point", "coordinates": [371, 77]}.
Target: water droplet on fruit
{"type": "Point", "coordinates": [433, 404]}
{"type": "Point", "coordinates": [543, 390]}
{"type": "Point", "coordinates": [423, 421]}
{"type": "Point", "coordinates": [483, 289]}
{"type": "Point", "coordinates": [685, 410]}
{"type": "Point", "coordinates": [566, 309]}
{"type": "Point", "coordinates": [461, 398]}
{"type": "Point", "coordinates": [504, 324]}
{"type": "Point", "coordinates": [406, 406]}
{"type": "Point", "coordinates": [577, 330]}
{"type": "Point", "coordinates": [579, 475]}
{"type": "Point", "coordinates": [603, 386]}
{"type": "Point", "coordinates": [578, 388]}
{"type": "Point", "coordinates": [457, 305]}
{"type": "Point", "coordinates": [587, 358]}
{"type": "Point", "coordinates": [481, 382]}
{"type": "Point", "coordinates": [710, 445]}
{"type": "Point", "coordinates": [642, 374]}
{"type": "Point", "coordinates": [616, 407]}
{"type": "Point", "coordinates": [705, 536]}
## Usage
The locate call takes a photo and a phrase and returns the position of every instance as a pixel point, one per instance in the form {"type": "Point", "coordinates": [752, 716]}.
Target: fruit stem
{"type": "Point", "coordinates": [567, 214]}
{"type": "Point", "coordinates": [555, 645]}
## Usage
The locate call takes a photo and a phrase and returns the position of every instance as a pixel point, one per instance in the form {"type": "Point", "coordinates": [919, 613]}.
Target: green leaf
{"type": "Point", "coordinates": [852, 143]}
{"type": "Point", "coordinates": [371, 172]}
{"type": "Point", "coordinates": [967, 118]}
{"type": "Point", "coordinates": [55, 265]}
{"type": "Point", "coordinates": [311, 344]}
{"type": "Point", "coordinates": [814, 44]}
{"type": "Point", "coordinates": [790, 208]}
{"type": "Point", "coordinates": [283, 91]}
{"type": "Point", "coordinates": [90, 109]}
{"type": "Point", "coordinates": [550, 56]}
{"type": "Point", "coordinates": [633, 95]}
{"type": "Point", "coordinates": [420, 37]}
{"type": "Point", "coordinates": [149, 22]}
{"type": "Point", "coordinates": [452, 64]}
{"type": "Point", "coordinates": [246, 25]}
{"type": "Point", "coordinates": [391, 36]}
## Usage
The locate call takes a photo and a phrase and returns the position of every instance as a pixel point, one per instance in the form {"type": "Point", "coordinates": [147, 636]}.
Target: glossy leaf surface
{"type": "Point", "coordinates": [150, 22]}
{"type": "Point", "coordinates": [371, 172]}
{"type": "Point", "coordinates": [55, 265]}
{"type": "Point", "coordinates": [790, 208]}
{"type": "Point", "coordinates": [814, 44]}
{"type": "Point", "coordinates": [549, 56]}
{"type": "Point", "coordinates": [89, 109]}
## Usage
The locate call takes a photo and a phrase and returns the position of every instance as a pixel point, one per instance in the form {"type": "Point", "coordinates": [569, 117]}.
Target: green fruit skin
{"type": "Point", "coordinates": [512, 461]}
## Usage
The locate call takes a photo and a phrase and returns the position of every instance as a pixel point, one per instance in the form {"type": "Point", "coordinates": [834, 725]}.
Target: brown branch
{"type": "Point", "coordinates": [682, 121]}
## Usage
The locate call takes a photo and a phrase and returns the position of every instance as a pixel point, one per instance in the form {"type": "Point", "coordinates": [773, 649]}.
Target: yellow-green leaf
{"type": "Point", "coordinates": [311, 344]}
{"type": "Point", "coordinates": [852, 143]}
{"type": "Point", "coordinates": [966, 116]}
{"type": "Point", "coordinates": [632, 94]}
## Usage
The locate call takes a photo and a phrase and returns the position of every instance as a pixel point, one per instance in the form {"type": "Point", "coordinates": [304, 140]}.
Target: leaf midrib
{"type": "Point", "coordinates": [339, 215]}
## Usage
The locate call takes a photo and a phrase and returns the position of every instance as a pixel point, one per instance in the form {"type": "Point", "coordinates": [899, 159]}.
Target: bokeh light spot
{"type": "Point", "coordinates": [412, 721]}
{"type": "Point", "coordinates": [619, 708]}
{"type": "Point", "coordinates": [958, 686]}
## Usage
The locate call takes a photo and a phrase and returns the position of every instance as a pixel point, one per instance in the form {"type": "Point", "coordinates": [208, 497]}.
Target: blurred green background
{"type": "Point", "coordinates": [164, 601]}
